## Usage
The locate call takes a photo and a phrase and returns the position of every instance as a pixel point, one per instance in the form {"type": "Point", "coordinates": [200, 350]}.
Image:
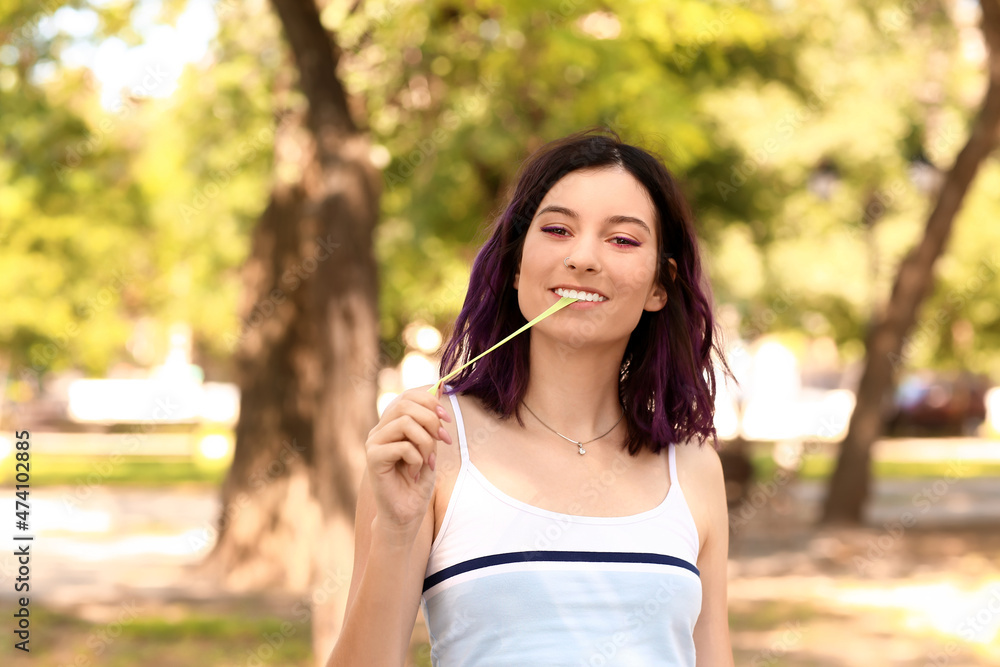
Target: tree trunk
{"type": "Point", "coordinates": [306, 350]}
{"type": "Point", "coordinates": [849, 486]}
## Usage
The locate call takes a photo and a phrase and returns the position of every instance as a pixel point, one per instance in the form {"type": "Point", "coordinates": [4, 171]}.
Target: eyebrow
{"type": "Point", "coordinates": [610, 220]}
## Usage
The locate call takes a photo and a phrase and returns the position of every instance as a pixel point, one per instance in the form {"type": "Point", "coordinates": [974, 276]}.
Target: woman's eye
{"type": "Point", "coordinates": [619, 240]}
{"type": "Point", "coordinates": [628, 241]}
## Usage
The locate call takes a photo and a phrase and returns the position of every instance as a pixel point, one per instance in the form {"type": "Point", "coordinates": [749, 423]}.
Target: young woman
{"type": "Point", "coordinates": [590, 529]}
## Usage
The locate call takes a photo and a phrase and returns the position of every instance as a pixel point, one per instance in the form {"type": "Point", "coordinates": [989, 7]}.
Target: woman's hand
{"type": "Point", "coordinates": [401, 461]}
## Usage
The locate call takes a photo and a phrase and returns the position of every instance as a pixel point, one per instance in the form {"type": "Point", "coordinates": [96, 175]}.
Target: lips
{"type": "Point", "coordinates": [578, 288]}
{"type": "Point", "coordinates": [581, 304]}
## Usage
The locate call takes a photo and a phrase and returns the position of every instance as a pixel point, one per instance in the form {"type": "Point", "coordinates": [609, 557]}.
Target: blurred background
{"type": "Point", "coordinates": [198, 379]}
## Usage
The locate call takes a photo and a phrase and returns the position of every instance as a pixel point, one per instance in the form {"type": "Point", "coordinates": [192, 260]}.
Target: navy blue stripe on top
{"type": "Point", "coordinates": [558, 556]}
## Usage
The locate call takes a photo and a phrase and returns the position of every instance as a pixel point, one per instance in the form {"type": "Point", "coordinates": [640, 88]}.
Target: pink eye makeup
{"type": "Point", "coordinates": [628, 241]}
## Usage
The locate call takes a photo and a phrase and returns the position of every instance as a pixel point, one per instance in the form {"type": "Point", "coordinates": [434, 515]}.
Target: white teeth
{"type": "Point", "coordinates": [583, 296]}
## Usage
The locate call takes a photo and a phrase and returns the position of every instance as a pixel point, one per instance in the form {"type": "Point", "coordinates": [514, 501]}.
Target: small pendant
{"type": "Point", "coordinates": [582, 450]}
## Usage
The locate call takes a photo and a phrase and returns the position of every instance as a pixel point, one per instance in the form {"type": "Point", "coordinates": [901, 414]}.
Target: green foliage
{"type": "Point", "coordinates": [146, 208]}
{"type": "Point", "coordinates": [744, 102]}
{"type": "Point", "coordinates": [72, 217]}
{"type": "Point", "coordinates": [106, 217]}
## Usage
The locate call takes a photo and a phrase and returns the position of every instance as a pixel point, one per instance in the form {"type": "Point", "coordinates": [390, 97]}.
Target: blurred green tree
{"type": "Point", "coordinates": [307, 341]}
{"type": "Point", "coordinates": [796, 137]}
{"type": "Point", "coordinates": [67, 283]}
{"type": "Point", "coordinates": [849, 486]}
{"type": "Point", "coordinates": [122, 215]}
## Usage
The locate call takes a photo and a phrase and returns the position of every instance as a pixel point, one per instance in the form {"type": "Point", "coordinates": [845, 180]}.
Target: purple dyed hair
{"type": "Point", "coordinates": [667, 381]}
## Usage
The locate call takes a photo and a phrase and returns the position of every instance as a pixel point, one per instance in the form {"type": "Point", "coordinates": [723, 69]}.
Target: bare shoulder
{"type": "Point", "coordinates": [699, 471]}
{"type": "Point", "coordinates": [700, 461]}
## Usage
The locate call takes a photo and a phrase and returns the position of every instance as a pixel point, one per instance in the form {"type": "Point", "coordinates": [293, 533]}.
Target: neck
{"type": "Point", "coordinates": [574, 390]}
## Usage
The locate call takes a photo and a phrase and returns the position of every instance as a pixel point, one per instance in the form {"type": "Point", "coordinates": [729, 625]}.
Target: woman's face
{"type": "Point", "coordinates": [604, 222]}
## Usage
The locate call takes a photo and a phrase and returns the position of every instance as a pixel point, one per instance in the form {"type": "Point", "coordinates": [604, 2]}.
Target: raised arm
{"type": "Point", "coordinates": [393, 533]}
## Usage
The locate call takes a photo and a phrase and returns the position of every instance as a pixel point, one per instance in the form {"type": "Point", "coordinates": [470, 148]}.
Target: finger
{"type": "Point", "coordinates": [439, 409]}
{"type": "Point", "coordinates": [405, 428]}
{"type": "Point", "coordinates": [383, 457]}
{"type": "Point", "coordinates": [421, 406]}
{"type": "Point", "coordinates": [432, 401]}
{"type": "Point", "coordinates": [426, 445]}
{"type": "Point", "coordinates": [430, 421]}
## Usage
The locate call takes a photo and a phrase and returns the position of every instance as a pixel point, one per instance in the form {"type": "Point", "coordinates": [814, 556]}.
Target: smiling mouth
{"type": "Point", "coordinates": [585, 297]}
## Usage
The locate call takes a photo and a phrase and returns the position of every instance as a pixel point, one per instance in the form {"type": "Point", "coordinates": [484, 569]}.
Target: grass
{"type": "Point", "coordinates": [132, 638]}
{"type": "Point", "coordinates": [775, 632]}
{"type": "Point", "coordinates": [55, 470]}
{"type": "Point", "coordinates": [238, 637]}
{"type": "Point", "coordinates": [820, 467]}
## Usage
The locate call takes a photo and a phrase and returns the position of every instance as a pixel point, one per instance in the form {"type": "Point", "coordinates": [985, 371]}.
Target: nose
{"type": "Point", "coordinates": [582, 257]}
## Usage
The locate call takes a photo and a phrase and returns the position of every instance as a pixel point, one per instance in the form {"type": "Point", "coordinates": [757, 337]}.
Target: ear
{"type": "Point", "coordinates": [517, 276]}
{"type": "Point", "coordinates": [657, 298]}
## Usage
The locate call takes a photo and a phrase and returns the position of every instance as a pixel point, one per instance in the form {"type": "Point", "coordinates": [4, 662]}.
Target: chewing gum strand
{"type": "Point", "coordinates": [562, 303]}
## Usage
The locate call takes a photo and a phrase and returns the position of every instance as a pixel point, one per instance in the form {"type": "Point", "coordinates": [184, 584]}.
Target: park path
{"type": "Point", "coordinates": [798, 595]}
{"type": "Point", "coordinates": [119, 541]}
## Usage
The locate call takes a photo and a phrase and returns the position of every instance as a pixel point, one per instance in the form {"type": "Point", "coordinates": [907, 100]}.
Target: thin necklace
{"type": "Point", "coordinates": [575, 442]}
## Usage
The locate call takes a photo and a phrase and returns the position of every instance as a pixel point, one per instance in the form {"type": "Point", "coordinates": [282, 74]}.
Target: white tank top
{"type": "Point", "coordinates": [509, 584]}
